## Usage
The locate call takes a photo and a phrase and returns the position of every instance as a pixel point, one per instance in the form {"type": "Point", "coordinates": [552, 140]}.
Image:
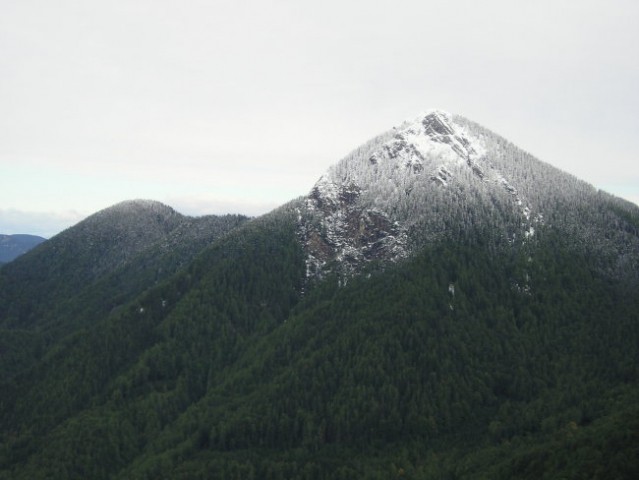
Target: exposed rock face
{"type": "Point", "coordinates": [343, 232]}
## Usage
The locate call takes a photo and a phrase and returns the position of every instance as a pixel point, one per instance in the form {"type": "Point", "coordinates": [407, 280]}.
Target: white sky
{"type": "Point", "coordinates": [239, 106]}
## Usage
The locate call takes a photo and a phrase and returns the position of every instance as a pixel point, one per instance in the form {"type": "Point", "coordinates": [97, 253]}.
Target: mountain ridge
{"type": "Point", "coordinates": [92, 269]}
{"type": "Point", "coordinates": [361, 331]}
{"type": "Point", "coordinates": [12, 246]}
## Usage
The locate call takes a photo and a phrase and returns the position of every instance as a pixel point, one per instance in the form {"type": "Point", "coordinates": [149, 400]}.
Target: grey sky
{"type": "Point", "coordinates": [230, 106]}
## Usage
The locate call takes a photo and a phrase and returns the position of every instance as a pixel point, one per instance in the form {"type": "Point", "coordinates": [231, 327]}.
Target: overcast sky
{"type": "Point", "coordinates": [239, 106]}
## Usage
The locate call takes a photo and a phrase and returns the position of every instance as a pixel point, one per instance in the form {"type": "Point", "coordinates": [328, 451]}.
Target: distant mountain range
{"type": "Point", "coordinates": [12, 246]}
{"type": "Point", "coordinates": [440, 305]}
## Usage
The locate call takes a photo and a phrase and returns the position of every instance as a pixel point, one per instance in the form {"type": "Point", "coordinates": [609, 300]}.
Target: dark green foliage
{"type": "Point", "coordinates": [81, 276]}
{"type": "Point", "coordinates": [466, 361]}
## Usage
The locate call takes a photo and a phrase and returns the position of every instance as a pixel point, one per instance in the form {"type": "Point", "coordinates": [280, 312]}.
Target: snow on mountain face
{"type": "Point", "coordinates": [364, 206]}
{"type": "Point", "coordinates": [434, 134]}
{"type": "Point", "coordinates": [347, 232]}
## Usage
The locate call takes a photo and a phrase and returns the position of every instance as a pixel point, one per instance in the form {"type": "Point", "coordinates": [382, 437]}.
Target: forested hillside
{"type": "Point", "coordinates": [441, 305]}
{"type": "Point", "coordinates": [84, 273]}
{"type": "Point", "coordinates": [448, 365]}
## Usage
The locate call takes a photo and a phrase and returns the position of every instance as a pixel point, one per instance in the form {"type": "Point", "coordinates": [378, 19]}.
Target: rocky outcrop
{"type": "Point", "coordinates": [338, 233]}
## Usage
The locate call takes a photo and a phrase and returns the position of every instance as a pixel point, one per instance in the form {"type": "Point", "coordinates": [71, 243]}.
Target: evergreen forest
{"type": "Point", "coordinates": [471, 359]}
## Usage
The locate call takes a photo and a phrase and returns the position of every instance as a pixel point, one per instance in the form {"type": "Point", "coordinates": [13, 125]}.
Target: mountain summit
{"type": "Point", "coordinates": [441, 175]}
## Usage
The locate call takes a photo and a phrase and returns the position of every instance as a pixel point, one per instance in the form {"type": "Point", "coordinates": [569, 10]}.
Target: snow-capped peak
{"type": "Point", "coordinates": [438, 127]}
{"type": "Point", "coordinates": [417, 176]}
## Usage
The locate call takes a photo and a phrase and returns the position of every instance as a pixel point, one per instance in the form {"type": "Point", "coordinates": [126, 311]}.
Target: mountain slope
{"type": "Point", "coordinates": [97, 247]}
{"type": "Point", "coordinates": [198, 323]}
{"type": "Point", "coordinates": [79, 276]}
{"type": "Point", "coordinates": [388, 325]}
{"type": "Point", "coordinates": [79, 255]}
{"type": "Point", "coordinates": [12, 246]}
{"type": "Point", "coordinates": [224, 369]}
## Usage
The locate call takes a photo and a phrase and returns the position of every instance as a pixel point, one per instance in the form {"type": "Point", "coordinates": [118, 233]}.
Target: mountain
{"type": "Point", "coordinates": [12, 246]}
{"type": "Point", "coordinates": [441, 305]}
{"type": "Point", "coordinates": [93, 268]}
{"type": "Point", "coordinates": [441, 175]}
